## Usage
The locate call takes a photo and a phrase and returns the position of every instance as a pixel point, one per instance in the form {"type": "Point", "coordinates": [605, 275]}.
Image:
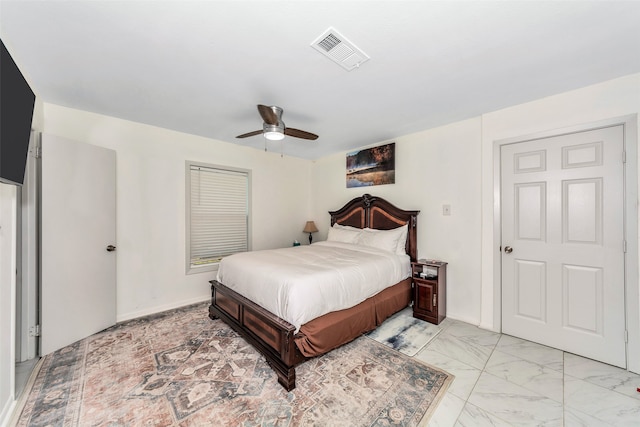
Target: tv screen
{"type": "Point", "coordinates": [16, 112]}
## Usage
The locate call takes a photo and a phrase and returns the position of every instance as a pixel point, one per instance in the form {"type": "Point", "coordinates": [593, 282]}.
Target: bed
{"type": "Point", "coordinates": [286, 344]}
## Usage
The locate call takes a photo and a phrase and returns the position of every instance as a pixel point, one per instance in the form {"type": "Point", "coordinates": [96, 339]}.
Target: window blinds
{"type": "Point", "coordinates": [219, 214]}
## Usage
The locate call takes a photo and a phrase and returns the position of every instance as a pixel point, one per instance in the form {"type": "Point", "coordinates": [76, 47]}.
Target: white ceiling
{"type": "Point", "coordinates": [201, 67]}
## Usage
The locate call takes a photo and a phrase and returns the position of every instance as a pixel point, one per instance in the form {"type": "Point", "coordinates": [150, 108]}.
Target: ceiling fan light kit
{"type": "Point", "coordinates": [273, 133]}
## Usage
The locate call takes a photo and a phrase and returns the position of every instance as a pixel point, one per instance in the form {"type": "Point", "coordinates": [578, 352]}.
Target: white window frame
{"type": "Point", "coordinates": [213, 265]}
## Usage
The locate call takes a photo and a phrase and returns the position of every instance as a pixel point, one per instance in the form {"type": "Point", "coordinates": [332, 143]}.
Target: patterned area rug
{"type": "Point", "coordinates": [405, 333]}
{"type": "Point", "coordinates": [180, 368]}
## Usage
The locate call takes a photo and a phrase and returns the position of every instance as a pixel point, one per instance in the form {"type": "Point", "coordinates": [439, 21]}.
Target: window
{"type": "Point", "coordinates": [217, 214]}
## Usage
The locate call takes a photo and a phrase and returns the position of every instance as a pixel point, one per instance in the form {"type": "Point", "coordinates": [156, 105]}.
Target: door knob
{"type": "Point", "coordinates": [111, 248]}
{"type": "Point", "coordinates": [508, 249]}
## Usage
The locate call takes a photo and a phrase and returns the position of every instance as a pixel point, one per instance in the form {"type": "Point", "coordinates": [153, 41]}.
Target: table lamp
{"type": "Point", "coordinates": [310, 227]}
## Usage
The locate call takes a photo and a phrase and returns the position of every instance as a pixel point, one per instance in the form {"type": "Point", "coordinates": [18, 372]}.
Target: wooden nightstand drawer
{"type": "Point", "coordinates": [429, 290]}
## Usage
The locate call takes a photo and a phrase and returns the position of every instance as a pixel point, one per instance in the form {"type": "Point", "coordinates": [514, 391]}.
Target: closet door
{"type": "Point", "coordinates": [563, 281]}
{"type": "Point", "coordinates": [78, 285]}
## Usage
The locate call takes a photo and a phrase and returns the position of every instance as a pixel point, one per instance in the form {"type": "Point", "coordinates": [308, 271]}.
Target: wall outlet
{"type": "Point", "coordinates": [446, 210]}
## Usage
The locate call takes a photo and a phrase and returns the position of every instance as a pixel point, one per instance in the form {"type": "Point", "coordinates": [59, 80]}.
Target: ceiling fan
{"type": "Point", "coordinates": [273, 127]}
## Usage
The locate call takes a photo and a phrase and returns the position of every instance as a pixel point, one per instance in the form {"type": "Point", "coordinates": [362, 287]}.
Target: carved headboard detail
{"type": "Point", "coordinates": [377, 213]}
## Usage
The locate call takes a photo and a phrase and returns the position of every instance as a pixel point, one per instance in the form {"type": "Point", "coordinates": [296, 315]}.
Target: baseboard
{"type": "Point", "coordinates": [160, 309]}
{"type": "Point", "coordinates": [488, 327]}
{"type": "Point", "coordinates": [6, 414]}
{"type": "Point", "coordinates": [464, 319]}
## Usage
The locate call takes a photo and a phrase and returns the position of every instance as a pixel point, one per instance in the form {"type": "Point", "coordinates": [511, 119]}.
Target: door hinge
{"type": "Point", "coordinates": [624, 157]}
{"type": "Point", "coordinates": [37, 152]}
{"type": "Point", "coordinates": [624, 246]}
{"type": "Point", "coordinates": [435, 299]}
{"type": "Point", "coordinates": [626, 336]}
{"type": "Point", "coordinates": [34, 331]}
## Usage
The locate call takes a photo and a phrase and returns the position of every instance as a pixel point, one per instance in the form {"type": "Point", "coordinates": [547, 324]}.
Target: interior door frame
{"type": "Point", "coordinates": [630, 226]}
{"type": "Point", "coordinates": [28, 298]}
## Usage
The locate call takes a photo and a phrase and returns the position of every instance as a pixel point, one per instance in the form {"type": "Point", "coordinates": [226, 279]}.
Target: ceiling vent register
{"type": "Point", "coordinates": [336, 47]}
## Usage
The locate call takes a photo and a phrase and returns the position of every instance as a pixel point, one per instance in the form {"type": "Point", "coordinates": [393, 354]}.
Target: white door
{"type": "Point", "coordinates": [563, 243]}
{"type": "Point", "coordinates": [78, 286]}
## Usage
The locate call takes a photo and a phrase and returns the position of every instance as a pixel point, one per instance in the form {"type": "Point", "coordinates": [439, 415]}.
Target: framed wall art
{"type": "Point", "coordinates": [372, 166]}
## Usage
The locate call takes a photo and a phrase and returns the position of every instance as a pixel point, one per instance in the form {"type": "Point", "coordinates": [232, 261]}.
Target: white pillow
{"type": "Point", "coordinates": [401, 249]}
{"type": "Point", "coordinates": [389, 240]}
{"type": "Point", "coordinates": [339, 234]}
{"type": "Point", "coordinates": [347, 227]}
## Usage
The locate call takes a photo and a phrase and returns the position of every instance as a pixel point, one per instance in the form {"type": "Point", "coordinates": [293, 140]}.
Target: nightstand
{"type": "Point", "coordinates": [429, 290]}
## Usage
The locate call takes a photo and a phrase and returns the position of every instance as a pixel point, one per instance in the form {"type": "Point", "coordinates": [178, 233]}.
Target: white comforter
{"type": "Point", "coordinates": [301, 283]}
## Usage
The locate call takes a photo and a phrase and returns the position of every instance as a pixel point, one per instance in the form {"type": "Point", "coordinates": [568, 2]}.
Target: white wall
{"type": "Point", "coordinates": [454, 165]}
{"type": "Point", "coordinates": [7, 297]}
{"type": "Point", "coordinates": [435, 167]}
{"type": "Point", "coordinates": [150, 164]}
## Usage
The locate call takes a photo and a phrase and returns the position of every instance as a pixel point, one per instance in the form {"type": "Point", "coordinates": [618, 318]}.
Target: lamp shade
{"type": "Point", "coordinates": [310, 227]}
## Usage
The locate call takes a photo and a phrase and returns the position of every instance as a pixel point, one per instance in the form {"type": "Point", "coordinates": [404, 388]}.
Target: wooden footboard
{"type": "Point", "coordinates": [269, 334]}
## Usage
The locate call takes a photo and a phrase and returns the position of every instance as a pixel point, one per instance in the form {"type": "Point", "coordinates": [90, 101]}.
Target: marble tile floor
{"type": "Point", "coordinates": [505, 381]}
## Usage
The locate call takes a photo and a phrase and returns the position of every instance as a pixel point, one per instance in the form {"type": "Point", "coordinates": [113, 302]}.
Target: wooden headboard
{"type": "Point", "coordinates": [377, 213]}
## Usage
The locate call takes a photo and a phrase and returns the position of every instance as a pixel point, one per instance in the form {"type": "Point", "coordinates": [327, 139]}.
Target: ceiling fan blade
{"type": "Point", "coordinates": [268, 115]}
{"type": "Point", "coordinates": [248, 134]}
{"type": "Point", "coordinates": [297, 133]}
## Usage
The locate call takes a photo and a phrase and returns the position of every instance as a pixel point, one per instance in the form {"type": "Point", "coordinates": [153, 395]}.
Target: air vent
{"type": "Point", "coordinates": [340, 50]}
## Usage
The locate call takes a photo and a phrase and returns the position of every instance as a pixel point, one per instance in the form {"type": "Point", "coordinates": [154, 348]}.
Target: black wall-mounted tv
{"type": "Point", "coordinates": [16, 114]}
